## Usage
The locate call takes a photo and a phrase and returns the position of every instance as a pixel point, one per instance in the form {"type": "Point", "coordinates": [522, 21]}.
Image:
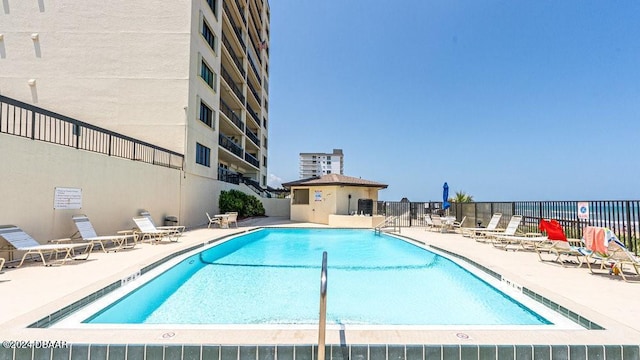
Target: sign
{"type": "Point", "coordinates": [583, 210]}
{"type": "Point", "coordinates": [67, 198]}
{"type": "Point", "coordinates": [318, 195]}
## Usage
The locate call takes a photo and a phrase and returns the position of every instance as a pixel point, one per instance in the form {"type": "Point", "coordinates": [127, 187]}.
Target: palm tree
{"type": "Point", "coordinates": [462, 197]}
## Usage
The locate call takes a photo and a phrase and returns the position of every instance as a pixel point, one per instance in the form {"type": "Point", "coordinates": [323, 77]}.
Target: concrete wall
{"type": "Point", "coordinates": [113, 190]}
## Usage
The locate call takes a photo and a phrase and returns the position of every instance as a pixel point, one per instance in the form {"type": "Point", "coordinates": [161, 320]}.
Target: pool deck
{"type": "Point", "coordinates": [33, 291]}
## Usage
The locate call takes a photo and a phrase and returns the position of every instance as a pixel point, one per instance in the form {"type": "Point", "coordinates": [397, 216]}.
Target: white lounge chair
{"type": "Point", "coordinates": [607, 249]}
{"type": "Point", "coordinates": [88, 233]}
{"type": "Point", "coordinates": [178, 229]}
{"type": "Point", "coordinates": [146, 230]}
{"type": "Point", "coordinates": [501, 239]}
{"type": "Point", "coordinates": [21, 241]}
{"type": "Point", "coordinates": [560, 248]}
{"type": "Point", "coordinates": [457, 226]}
{"type": "Point", "coordinates": [493, 225]}
{"type": "Point", "coordinates": [428, 221]}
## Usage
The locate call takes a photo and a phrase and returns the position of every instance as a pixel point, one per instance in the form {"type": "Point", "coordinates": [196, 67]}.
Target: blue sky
{"type": "Point", "coordinates": [504, 100]}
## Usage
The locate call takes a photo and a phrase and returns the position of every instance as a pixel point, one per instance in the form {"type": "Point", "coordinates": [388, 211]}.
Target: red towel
{"type": "Point", "coordinates": [553, 229]}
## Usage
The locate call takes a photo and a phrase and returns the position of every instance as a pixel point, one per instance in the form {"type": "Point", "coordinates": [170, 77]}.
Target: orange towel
{"type": "Point", "coordinates": [594, 239]}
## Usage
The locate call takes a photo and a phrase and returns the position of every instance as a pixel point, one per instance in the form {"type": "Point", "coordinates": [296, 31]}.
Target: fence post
{"type": "Point", "coordinates": [33, 125]}
{"type": "Point", "coordinates": [629, 241]}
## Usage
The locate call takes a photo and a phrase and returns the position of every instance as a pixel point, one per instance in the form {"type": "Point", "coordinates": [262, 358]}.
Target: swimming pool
{"type": "Point", "coordinates": [271, 277]}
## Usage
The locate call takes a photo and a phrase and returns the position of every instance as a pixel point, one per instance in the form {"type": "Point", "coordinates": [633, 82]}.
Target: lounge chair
{"type": "Point", "coordinates": [457, 226]}
{"type": "Point", "coordinates": [508, 236]}
{"type": "Point", "coordinates": [213, 221]}
{"type": "Point", "coordinates": [21, 241]}
{"type": "Point", "coordinates": [557, 243]}
{"type": "Point", "coordinates": [178, 229]}
{"type": "Point", "coordinates": [607, 249]}
{"type": "Point", "coordinates": [146, 230]}
{"type": "Point", "coordinates": [88, 233]}
{"type": "Point", "coordinates": [428, 222]}
{"type": "Point", "coordinates": [493, 225]}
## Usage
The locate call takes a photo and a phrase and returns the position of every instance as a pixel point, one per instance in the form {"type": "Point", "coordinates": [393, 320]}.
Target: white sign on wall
{"type": "Point", "coordinates": [583, 210]}
{"type": "Point", "coordinates": [67, 198]}
{"type": "Point", "coordinates": [318, 196]}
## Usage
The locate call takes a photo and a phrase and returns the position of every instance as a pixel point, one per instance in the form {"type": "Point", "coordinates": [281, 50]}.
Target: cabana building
{"type": "Point", "coordinates": [335, 200]}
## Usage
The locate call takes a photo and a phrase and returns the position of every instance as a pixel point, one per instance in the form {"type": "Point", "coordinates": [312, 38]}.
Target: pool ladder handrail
{"type": "Point", "coordinates": [322, 325]}
{"type": "Point", "coordinates": [390, 220]}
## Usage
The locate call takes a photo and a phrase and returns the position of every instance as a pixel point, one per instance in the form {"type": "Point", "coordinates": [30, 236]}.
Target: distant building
{"type": "Point", "coordinates": [319, 164]}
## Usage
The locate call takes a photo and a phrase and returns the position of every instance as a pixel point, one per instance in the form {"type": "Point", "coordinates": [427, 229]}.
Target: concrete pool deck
{"type": "Point", "coordinates": [32, 292]}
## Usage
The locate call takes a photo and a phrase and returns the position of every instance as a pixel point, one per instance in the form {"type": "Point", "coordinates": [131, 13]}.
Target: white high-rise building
{"type": "Point", "coordinates": [191, 77]}
{"type": "Point", "coordinates": [318, 164]}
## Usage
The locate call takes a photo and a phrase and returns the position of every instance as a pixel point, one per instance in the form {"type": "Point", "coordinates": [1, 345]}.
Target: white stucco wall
{"type": "Point", "coordinates": [114, 190]}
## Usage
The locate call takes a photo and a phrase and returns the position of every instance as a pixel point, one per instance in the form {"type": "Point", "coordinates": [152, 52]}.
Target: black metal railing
{"type": "Point", "coordinates": [235, 118]}
{"type": "Point", "coordinates": [228, 144]}
{"type": "Point", "coordinates": [621, 216]}
{"type": "Point", "coordinates": [241, 11]}
{"type": "Point", "coordinates": [255, 93]}
{"type": "Point", "coordinates": [234, 57]}
{"type": "Point", "coordinates": [255, 70]}
{"type": "Point", "coordinates": [234, 87]}
{"type": "Point", "coordinates": [253, 137]}
{"type": "Point", "coordinates": [236, 29]}
{"type": "Point", "coordinates": [28, 121]}
{"type": "Point", "coordinates": [254, 115]}
{"type": "Point", "coordinates": [229, 176]}
{"type": "Point", "coordinates": [251, 159]}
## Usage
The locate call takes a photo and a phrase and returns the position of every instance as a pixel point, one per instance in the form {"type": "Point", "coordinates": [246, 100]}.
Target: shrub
{"type": "Point", "coordinates": [245, 205]}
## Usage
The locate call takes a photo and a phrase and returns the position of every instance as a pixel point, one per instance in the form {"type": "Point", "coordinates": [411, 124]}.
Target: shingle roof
{"type": "Point", "coordinates": [334, 179]}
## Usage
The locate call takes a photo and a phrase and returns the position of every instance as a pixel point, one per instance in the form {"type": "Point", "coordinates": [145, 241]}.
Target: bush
{"type": "Point", "coordinates": [245, 205]}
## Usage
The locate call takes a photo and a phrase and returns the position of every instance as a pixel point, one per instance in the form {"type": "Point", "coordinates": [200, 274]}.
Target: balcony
{"type": "Point", "coordinates": [236, 29]}
{"type": "Point", "coordinates": [255, 93]}
{"type": "Point", "coordinates": [255, 71]}
{"type": "Point", "coordinates": [241, 11]}
{"type": "Point", "coordinates": [234, 87]}
{"type": "Point", "coordinates": [235, 118]}
{"type": "Point", "coordinates": [251, 159]}
{"type": "Point", "coordinates": [253, 137]}
{"type": "Point", "coordinates": [228, 144]}
{"type": "Point", "coordinates": [229, 176]}
{"type": "Point", "coordinates": [234, 57]}
{"type": "Point", "coordinates": [253, 114]}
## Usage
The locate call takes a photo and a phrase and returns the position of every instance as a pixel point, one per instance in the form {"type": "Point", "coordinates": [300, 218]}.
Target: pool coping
{"type": "Point", "coordinates": [54, 317]}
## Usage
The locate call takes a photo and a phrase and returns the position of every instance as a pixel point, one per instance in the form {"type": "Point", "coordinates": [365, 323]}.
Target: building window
{"type": "Point", "coordinates": [264, 180]}
{"type": "Point", "coordinates": [209, 36]}
{"type": "Point", "coordinates": [213, 4]}
{"type": "Point", "coordinates": [203, 155]}
{"type": "Point", "coordinates": [208, 75]}
{"type": "Point", "coordinates": [301, 197]}
{"type": "Point", "coordinates": [264, 161]}
{"type": "Point", "coordinates": [328, 171]}
{"type": "Point", "coordinates": [206, 114]}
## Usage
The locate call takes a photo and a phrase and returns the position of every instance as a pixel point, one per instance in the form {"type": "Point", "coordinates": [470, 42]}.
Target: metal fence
{"type": "Point", "coordinates": [28, 121]}
{"type": "Point", "coordinates": [621, 216]}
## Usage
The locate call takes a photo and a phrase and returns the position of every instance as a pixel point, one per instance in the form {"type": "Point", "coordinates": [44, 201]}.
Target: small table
{"type": "Point", "coordinates": [223, 220]}
{"type": "Point", "coordinates": [447, 222]}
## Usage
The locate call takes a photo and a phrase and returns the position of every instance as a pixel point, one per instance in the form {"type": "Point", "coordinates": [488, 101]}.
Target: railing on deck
{"type": "Point", "coordinates": [621, 216]}
{"type": "Point", "coordinates": [28, 121]}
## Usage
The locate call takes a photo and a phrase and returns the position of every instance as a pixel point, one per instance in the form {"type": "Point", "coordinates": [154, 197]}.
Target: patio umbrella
{"type": "Point", "coordinates": [445, 197]}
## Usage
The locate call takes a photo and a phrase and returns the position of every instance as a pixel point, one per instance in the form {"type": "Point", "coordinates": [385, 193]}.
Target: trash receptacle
{"type": "Point", "coordinates": [170, 221]}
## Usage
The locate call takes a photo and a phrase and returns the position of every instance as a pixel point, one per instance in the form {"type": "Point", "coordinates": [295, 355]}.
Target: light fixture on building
{"type": "Point", "coordinates": [35, 36]}
{"type": "Point", "coordinates": [32, 82]}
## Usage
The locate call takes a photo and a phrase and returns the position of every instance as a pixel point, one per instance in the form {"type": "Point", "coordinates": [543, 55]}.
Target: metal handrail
{"type": "Point", "coordinates": [323, 308]}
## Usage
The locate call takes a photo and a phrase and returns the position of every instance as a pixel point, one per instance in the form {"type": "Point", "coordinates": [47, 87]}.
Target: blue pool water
{"type": "Point", "coordinates": [272, 276]}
